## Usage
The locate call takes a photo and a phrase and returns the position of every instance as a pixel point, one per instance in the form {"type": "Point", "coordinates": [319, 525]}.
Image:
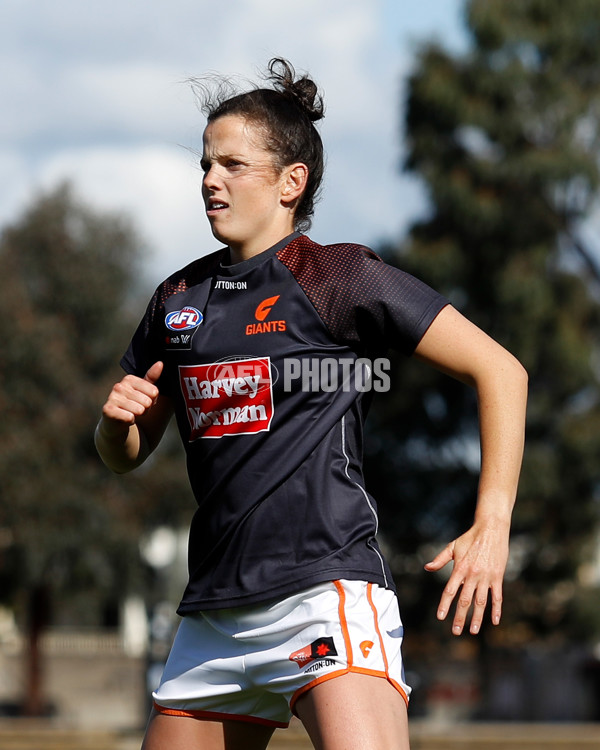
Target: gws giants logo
{"type": "Point", "coordinates": [228, 398]}
{"type": "Point", "coordinates": [261, 313]}
{"type": "Point", "coordinates": [182, 325]}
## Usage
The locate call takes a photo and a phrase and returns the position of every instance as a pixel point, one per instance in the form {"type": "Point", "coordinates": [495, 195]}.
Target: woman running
{"type": "Point", "coordinates": [267, 352]}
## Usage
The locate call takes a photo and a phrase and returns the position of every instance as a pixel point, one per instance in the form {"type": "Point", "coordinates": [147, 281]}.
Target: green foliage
{"type": "Point", "coordinates": [66, 524]}
{"type": "Point", "coordinates": [505, 138]}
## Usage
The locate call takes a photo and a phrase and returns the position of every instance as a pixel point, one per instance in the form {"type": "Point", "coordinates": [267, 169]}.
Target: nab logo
{"type": "Point", "coordinates": [183, 320]}
{"type": "Point", "coordinates": [264, 325]}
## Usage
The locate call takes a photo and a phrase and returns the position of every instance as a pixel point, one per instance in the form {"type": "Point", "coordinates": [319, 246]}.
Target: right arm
{"type": "Point", "coordinates": [133, 421]}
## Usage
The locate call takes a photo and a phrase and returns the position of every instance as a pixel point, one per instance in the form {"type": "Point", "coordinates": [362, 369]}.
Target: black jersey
{"type": "Point", "coordinates": [268, 363]}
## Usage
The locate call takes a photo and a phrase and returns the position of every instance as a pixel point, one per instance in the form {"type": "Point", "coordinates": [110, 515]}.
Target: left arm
{"type": "Point", "coordinates": [457, 347]}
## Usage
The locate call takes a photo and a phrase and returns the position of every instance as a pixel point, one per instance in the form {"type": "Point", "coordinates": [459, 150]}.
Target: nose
{"type": "Point", "coordinates": [211, 180]}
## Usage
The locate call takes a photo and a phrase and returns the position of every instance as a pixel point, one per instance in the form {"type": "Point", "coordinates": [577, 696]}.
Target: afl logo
{"type": "Point", "coordinates": [183, 320]}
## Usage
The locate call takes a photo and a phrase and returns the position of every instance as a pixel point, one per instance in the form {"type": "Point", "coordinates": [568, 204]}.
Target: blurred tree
{"type": "Point", "coordinates": [68, 529]}
{"type": "Point", "coordinates": [505, 138]}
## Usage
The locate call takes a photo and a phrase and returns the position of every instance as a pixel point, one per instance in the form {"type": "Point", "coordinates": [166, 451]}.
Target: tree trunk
{"type": "Point", "coordinates": [37, 621]}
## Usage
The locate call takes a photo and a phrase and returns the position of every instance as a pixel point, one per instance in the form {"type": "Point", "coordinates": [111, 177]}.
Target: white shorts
{"type": "Point", "coordinates": [252, 663]}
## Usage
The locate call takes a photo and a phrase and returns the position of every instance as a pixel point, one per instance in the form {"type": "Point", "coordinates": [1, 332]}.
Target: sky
{"type": "Point", "coordinates": [97, 93]}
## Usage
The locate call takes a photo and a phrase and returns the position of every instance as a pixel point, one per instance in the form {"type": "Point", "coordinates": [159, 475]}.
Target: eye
{"type": "Point", "coordinates": [204, 165]}
{"type": "Point", "coordinates": [233, 164]}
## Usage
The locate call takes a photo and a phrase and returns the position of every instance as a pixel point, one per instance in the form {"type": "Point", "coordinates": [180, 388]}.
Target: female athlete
{"type": "Point", "coordinates": [266, 351]}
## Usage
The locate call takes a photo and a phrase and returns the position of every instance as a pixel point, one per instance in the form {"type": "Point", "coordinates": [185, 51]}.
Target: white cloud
{"type": "Point", "coordinates": [88, 102]}
{"type": "Point", "coordinates": [159, 184]}
{"type": "Point", "coordinates": [105, 70]}
{"type": "Point", "coordinates": [15, 186]}
{"type": "Point", "coordinates": [92, 91]}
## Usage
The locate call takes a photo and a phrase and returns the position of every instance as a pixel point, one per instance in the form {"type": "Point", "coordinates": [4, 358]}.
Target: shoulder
{"type": "Point", "coordinates": [195, 272]}
{"type": "Point", "coordinates": [336, 279]}
{"type": "Point", "coordinates": [311, 261]}
{"type": "Point", "coordinates": [191, 275]}
{"type": "Point", "coordinates": [359, 296]}
{"type": "Point", "coordinates": [303, 246]}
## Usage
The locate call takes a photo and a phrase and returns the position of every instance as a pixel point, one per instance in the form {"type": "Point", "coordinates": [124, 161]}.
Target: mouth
{"type": "Point", "coordinates": [215, 206]}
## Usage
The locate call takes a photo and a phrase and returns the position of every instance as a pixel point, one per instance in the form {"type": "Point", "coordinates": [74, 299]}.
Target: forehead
{"type": "Point", "coordinates": [233, 134]}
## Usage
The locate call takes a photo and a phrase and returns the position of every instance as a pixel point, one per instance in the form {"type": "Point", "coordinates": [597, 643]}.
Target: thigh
{"type": "Point", "coordinates": [186, 733]}
{"type": "Point", "coordinates": [206, 676]}
{"type": "Point", "coordinates": [353, 712]}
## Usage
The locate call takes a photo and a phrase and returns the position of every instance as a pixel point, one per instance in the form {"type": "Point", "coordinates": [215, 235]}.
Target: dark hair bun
{"type": "Point", "coordinates": [302, 90]}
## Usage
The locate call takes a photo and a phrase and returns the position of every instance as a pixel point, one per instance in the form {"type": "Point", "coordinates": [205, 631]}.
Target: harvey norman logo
{"type": "Point", "coordinates": [228, 397]}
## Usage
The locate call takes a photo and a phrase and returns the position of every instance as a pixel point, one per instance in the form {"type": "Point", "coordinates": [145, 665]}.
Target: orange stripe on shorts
{"type": "Point", "coordinates": [344, 622]}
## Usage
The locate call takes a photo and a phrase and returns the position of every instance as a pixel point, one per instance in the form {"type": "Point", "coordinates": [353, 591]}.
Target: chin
{"type": "Point", "coordinates": [219, 235]}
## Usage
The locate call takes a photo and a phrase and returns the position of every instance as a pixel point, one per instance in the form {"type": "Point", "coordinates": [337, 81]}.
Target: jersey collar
{"type": "Point", "coordinates": [246, 265]}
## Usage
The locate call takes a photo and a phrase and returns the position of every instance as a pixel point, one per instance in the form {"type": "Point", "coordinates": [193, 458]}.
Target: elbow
{"type": "Point", "coordinates": [503, 374]}
{"type": "Point", "coordinates": [117, 466]}
{"type": "Point", "coordinates": [515, 377]}
{"type": "Point", "coordinates": [520, 373]}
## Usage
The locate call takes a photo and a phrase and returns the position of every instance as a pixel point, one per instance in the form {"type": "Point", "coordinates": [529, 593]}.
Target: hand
{"type": "Point", "coordinates": [480, 556]}
{"type": "Point", "coordinates": [130, 398]}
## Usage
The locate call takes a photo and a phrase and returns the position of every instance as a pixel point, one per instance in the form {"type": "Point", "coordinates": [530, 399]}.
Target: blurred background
{"type": "Point", "coordinates": [462, 142]}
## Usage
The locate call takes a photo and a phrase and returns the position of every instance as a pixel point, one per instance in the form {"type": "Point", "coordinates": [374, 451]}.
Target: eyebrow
{"type": "Point", "coordinates": [225, 155]}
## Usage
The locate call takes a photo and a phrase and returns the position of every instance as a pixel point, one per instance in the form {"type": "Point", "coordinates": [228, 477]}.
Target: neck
{"type": "Point", "coordinates": [240, 251]}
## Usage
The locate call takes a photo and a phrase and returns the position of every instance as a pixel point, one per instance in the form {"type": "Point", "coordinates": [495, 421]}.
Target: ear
{"type": "Point", "coordinates": [293, 184]}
